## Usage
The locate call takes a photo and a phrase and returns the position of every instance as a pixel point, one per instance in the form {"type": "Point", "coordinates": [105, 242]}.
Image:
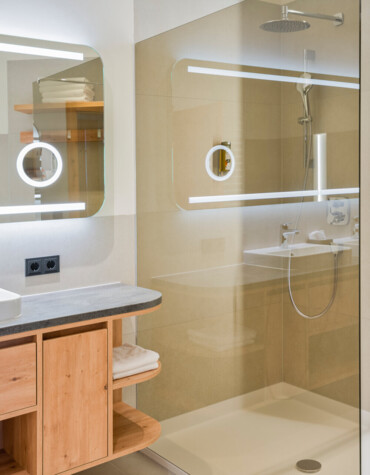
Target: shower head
{"type": "Point", "coordinates": [284, 25]}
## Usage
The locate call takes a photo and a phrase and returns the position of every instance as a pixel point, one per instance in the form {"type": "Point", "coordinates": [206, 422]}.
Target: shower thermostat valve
{"type": "Point", "coordinates": [338, 211]}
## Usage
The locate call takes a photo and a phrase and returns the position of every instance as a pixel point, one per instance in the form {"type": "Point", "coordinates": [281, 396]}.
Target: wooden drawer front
{"type": "Point", "coordinates": [17, 377]}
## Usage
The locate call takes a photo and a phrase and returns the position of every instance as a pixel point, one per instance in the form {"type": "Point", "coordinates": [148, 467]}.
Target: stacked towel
{"type": "Point", "coordinates": [223, 336]}
{"type": "Point", "coordinates": [73, 90]}
{"type": "Point", "coordinates": [131, 359]}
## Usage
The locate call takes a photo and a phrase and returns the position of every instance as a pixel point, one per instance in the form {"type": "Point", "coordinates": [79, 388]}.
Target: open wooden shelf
{"type": "Point", "coordinates": [9, 466]}
{"type": "Point", "coordinates": [136, 378]}
{"type": "Point", "coordinates": [63, 136]}
{"type": "Point", "coordinates": [94, 106]}
{"type": "Point", "coordinates": [20, 412]}
{"type": "Point", "coordinates": [132, 430]}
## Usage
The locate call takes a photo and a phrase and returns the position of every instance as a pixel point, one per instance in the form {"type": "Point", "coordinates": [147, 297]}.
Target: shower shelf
{"type": "Point", "coordinates": [132, 430]}
{"type": "Point", "coordinates": [136, 378]}
{"type": "Point", "coordinates": [93, 106]}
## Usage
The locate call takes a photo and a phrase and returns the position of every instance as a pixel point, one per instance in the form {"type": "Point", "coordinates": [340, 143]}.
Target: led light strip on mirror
{"type": "Point", "coordinates": [272, 196]}
{"type": "Point", "coordinates": [50, 208]}
{"type": "Point", "coordinates": [35, 51]}
{"type": "Point", "coordinates": [270, 77]}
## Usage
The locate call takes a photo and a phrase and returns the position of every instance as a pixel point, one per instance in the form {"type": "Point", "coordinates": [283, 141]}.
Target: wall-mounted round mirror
{"type": "Point", "coordinates": [220, 162]}
{"type": "Point", "coordinates": [39, 164]}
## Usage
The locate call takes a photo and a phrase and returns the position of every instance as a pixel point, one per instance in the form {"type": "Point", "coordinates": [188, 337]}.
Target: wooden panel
{"type": "Point", "coordinates": [136, 378]}
{"type": "Point", "coordinates": [20, 441]}
{"type": "Point", "coordinates": [117, 341]}
{"type": "Point", "coordinates": [133, 430]}
{"type": "Point", "coordinates": [39, 421]}
{"type": "Point", "coordinates": [8, 466]}
{"type": "Point", "coordinates": [75, 400]}
{"type": "Point", "coordinates": [17, 377]}
{"type": "Point", "coordinates": [110, 388]}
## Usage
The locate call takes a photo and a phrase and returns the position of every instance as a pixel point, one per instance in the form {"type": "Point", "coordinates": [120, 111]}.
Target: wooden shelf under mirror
{"type": "Point", "coordinates": [93, 106]}
{"type": "Point", "coordinates": [62, 136]}
{"type": "Point", "coordinates": [136, 378]}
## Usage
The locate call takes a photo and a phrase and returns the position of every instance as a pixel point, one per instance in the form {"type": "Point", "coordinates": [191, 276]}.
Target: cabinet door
{"type": "Point", "coordinates": [75, 400]}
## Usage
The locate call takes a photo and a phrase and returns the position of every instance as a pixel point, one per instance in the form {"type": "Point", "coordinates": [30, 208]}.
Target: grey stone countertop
{"type": "Point", "coordinates": [78, 305]}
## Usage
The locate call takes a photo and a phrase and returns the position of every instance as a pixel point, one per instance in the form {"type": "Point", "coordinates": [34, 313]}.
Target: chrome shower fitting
{"type": "Point", "coordinates": [285, 25]}
{"type": "Point", "coordinates": [338, 18]}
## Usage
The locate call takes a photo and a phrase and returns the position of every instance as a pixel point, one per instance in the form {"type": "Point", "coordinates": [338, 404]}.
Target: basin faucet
{"type": "Point", "coordinates": [286, 232]}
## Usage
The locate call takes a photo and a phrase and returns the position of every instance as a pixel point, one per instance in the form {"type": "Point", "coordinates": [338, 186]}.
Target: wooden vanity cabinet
{"type": "Point", "coordinates": [62, 412]}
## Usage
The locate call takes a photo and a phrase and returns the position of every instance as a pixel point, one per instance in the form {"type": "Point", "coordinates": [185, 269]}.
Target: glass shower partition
{"type": "Point", "coordinates": [243, 138]}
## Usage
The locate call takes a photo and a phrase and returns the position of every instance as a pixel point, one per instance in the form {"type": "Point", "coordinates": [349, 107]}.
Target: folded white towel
{"type": "Point", "coordinates": [83, 98]}
{"type": "Point", "coordinates": [131, 357]}
{"type": "Point", "coordinates": [55, 82]}
{"type": "Point", "coordinates": [63, 94]}
{"type": "Point", "coordinates": [76, 89]}
{"type": "Point", "coordinates": [142, 369]}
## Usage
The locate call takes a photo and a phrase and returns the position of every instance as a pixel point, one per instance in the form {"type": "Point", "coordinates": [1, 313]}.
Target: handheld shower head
{"type": "Point", "coordinates": [304, 89]}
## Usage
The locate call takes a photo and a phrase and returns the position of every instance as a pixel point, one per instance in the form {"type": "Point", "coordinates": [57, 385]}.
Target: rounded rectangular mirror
{"type": "Point", "coordinates": [51, 130]}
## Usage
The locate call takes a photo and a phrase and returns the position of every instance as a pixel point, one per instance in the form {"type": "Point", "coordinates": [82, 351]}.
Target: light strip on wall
{"type": "Point", "coordinates": [272, 196]}
{"type": "Point", "coordinates": [51, 53]}
{"type": "Point", "coordinates": [270, 77]}
{"type": "Point", "coordinates": [26, 209]}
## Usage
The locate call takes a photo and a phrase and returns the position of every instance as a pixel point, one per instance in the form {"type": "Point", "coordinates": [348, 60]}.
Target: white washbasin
{"type": "Point", "coordinates": [10, 305]}
{"type": "Point", "coordinates": [351, 242]}
{"type": "Point", "coordinates": [305, 256]}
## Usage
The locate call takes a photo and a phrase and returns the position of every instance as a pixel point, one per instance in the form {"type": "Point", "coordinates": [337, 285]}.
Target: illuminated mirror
{"type": "Point", "coordinates": [51, 130]}
{"type": "Point", "coordinates": [243, 136]}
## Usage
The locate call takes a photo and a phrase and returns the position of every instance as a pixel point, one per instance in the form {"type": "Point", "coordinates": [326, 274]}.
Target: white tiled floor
{"type": "Point", "coordinates": [135, 464]}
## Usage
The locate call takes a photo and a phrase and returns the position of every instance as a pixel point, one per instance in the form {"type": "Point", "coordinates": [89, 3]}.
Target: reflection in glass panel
{"type": "Point", "coordinates": [258, 332]}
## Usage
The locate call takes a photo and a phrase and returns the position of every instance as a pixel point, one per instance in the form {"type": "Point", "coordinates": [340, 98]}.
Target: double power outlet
{"type": "Point", "coordinates": [42, 265]}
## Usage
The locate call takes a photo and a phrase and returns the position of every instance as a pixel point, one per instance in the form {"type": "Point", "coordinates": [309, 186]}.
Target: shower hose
{"type": "Point", "coordinates": [307, 153]}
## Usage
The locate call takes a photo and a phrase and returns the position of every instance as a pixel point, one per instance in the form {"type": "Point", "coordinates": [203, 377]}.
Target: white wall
{"type": "Point", "coordinates": [99, 249]}
{"type": "Point", "coordinates": [153, 17]}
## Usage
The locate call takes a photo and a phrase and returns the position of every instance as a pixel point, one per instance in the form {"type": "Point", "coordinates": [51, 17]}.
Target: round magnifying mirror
{"type": "Point", "coordinates": [39, 164]}
{"type": "Point", "coordinates": [220, 162]}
